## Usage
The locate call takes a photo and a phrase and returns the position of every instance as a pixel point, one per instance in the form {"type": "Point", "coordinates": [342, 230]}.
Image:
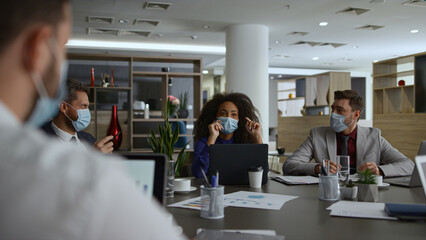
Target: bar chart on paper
{"type": "Point", "coordinates": [256, 200]}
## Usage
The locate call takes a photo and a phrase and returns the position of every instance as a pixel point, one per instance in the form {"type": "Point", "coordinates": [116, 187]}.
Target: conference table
{"type": "Point", "coordinates": [305, 217]}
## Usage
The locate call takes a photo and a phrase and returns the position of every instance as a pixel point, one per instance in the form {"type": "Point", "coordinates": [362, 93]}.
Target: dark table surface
{"type": "Point", "coordinates": [305, 217]}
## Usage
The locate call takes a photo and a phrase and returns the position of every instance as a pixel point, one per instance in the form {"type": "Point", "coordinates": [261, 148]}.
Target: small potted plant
{"type": "Point", "coordinates": [367, 187]}
{"type": "Point", "coordinates": [349, 190]}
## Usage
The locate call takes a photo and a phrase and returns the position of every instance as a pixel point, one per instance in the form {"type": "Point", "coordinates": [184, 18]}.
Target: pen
{"type": "Point", "coordinates": [217, 178]}
{"type": "Point", "coordinates": [115, 136]}
{"type": "Point", "coordinates": [205, 178]}
{"type": "Point", "coordinates": [214, 181]}
{"type": "Point", "coordinates": [323, 172]}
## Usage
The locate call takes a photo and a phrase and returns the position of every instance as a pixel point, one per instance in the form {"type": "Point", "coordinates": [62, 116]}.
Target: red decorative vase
{"type": "Point", "coordinates": [114, 128]}
{"type": "Point", "coordinates": [92, 78]}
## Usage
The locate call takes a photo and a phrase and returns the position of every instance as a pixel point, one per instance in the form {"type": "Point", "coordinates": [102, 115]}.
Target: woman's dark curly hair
{"type": "Point", "coordinates": [209, 112]}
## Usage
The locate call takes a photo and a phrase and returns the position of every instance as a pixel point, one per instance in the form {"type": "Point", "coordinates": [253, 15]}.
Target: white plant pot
{"type": "Point", "coordinates": [349, 192]}
{"type": "Point", "coordinates": [368, 193]}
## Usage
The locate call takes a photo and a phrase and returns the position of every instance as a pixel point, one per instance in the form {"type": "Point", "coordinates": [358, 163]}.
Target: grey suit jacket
{"type": "Point", "coordinates": [370, 147]}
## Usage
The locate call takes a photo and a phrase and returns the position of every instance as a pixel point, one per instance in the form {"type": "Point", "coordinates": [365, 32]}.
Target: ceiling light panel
{"type": "Point", "coordinates": [146, 22]}
{"type": "Point", "coordinates": [298, 33]}
{"type": "Point", "coordinates": [351, 10]}
{"type": "Point", "coordinates": [134, 33]}
{"type": "Point", "coordinates": [104, 31]}
{"type": "Point", "coordinates": [369, 27]}
{"type": "Point", "coordinates": [415, 3]}
{"type": "Point", "coordinates": [157, 6]}
{"type": "Point", "coordinates": [96, 19]}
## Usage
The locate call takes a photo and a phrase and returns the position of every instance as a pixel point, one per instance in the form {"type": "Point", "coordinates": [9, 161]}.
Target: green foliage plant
{"type": "Point", "coordinates": [183, 100]}
{"type": "Point", "coordinates": [366, 177]}
{"type": "Point", "coordinates": [166, 141]}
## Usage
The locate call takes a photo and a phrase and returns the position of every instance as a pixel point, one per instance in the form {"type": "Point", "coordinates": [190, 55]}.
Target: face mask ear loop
{"type": "Point", "coordinates": [67, 115]}
{"type": "Point", "coordinates": [39, 84]}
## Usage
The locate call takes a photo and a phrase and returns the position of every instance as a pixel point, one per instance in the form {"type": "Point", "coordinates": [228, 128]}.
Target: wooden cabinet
{"type": "Point", "coordinates": [399, 109]}
{"type": "Point", "coordinates": [139, 78]}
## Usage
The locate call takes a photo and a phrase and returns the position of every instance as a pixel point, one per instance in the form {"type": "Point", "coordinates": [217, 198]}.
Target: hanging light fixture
{"type": "Point", "coordinates": [170, 82]}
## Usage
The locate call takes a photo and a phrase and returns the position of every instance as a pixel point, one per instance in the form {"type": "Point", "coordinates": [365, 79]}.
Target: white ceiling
{"type": "Point", "coordinates": [186, 18]}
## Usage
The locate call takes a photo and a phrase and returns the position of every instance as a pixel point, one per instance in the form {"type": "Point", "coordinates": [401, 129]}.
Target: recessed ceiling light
{"type": "Point", "coordinates": [278, 41]}
{"type": "Point", "coordinates": [315, 58]}
{"type": "Point", "coordinates": [280, 76]}
{"type": "Point", "coordinates": [123, 21]}
{"type": "Point", "coordinates": [414, 31]}
{"type": "Point", "coordinates": [323, 24]}
{"type": "Point", "coordinates": [272, 78]}
{"type": "Point", "coordinates": [193, 37]}
{"type": "Point", "coordinates": [356, 46]}
{"type": "Point", "coordinates": [205, 72]}
{"type": "Point", "coordinates": [207, 26]}
{"type": "Point", "coordinates": [375, 61]}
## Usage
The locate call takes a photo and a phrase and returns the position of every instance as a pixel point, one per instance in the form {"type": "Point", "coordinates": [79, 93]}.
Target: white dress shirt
{"type": "Point", "coordinates": [53, 190]}
{"type": "Point", "coordinates": [66, 137]}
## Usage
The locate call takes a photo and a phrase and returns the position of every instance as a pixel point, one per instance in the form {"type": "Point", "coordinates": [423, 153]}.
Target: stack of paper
{"type": "Point", "coordinates": [359, 210]}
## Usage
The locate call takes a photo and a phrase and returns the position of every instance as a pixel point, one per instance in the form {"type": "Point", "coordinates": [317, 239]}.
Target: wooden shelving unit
{"type": "Point", "coordinates": [131, 73]}
{"type": "Point", "coordinates": [388, 97]}
{"type": "Point", "coordinates": [399, 111]}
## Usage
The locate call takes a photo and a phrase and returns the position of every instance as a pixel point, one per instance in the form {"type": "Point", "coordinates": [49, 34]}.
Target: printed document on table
{"type": "Point", "coordinates": [256, 200]}
{"type": "Point", "coordinates": [297, 180]}
{"type": "Point", "coordinates": [193, 203]}
{"type": "Point", "coordinates": [359, 210]}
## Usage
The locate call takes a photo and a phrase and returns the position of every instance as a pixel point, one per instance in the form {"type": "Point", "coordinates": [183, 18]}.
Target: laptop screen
{"type": "Point", "coordinates": [421, 167]}
{"type": "Point", "coordinates": [142, 172]}
{"type": "Point", "coordinates": [148, 171]}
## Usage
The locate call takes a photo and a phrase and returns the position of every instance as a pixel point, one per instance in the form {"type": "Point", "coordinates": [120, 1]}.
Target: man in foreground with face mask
{"type": "Point", "coordinates": [365, 146]}
{"type": "Point", "coordinates": [50, 189]}
{"type": "Point", "coordinates": [74, 117]}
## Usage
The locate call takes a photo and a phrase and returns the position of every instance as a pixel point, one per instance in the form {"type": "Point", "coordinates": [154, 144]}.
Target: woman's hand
{"type": "Point", "coordinates": [255, 130]}
{"type": "Point", "coordinates": [214, 129]}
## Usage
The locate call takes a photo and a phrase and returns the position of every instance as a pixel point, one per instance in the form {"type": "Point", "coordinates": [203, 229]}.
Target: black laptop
{"type": "Point", "coordinates": [149, 173]}
{"type": "Point", "coordinates": [232, 161]}
{"type": "Point", "coordinates": [414, 179]}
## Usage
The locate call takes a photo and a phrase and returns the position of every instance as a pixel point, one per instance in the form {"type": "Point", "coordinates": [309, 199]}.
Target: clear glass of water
{"type": "Point", "coordinates": [343, 162]}
{"type": "Point", "coordinates": [170, 185]}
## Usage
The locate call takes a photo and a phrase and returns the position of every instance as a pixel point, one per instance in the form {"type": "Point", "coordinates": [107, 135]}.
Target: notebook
{"type": "Point", "coordinates": [232, 161]}
{"type": "Point", "coordinates": [411, 211]}
{"type": "Point", "coordinates": [149, 173]}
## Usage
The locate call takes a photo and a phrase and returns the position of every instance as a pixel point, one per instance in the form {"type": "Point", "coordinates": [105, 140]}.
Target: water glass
{"type": "Point", "coordinates": [344, 162]}
{"type": "Point", "coordinates": [170, 185]}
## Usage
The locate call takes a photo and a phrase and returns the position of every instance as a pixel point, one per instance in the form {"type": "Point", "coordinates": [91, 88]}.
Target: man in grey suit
{"type": "Point", "coordinates": [365, 146]}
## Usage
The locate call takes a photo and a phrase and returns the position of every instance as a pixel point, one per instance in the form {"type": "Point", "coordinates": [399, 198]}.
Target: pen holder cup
{"type": "Point", "coordinates": [329, 188]}
{"type": "Point", "coordinates": [212, 202]}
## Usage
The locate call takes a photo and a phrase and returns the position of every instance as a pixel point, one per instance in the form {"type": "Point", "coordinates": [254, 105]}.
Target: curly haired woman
{"type": "Point", "coordinates": [225, 119]}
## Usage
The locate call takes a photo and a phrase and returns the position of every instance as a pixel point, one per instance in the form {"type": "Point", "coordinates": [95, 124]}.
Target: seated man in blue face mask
{"type": "Point", "coordinates": [225, 119]}
{"type": "Point", "coordinates": [365, 146]}
{"type": "Point", "coordinates": [74, 117]}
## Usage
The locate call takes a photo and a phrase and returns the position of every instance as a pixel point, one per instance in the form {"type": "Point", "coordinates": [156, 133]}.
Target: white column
{"type": "Point", "coordinates": [247, 67]}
